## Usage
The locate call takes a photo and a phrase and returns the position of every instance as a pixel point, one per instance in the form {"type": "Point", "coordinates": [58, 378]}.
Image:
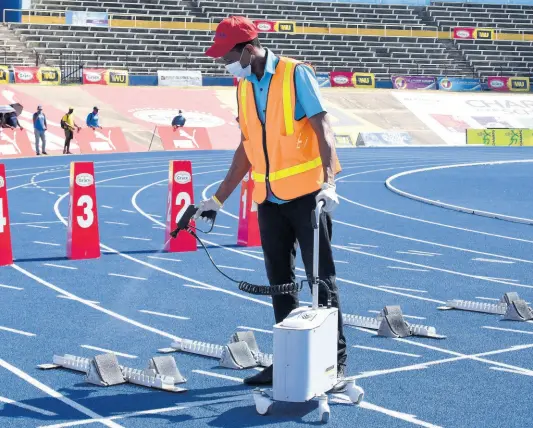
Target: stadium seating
{"type": "Point", "coordinates": [146, 50]}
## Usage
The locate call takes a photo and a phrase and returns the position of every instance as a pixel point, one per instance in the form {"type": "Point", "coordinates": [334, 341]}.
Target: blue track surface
{"type": "Point", "coordinates": [390, 250]}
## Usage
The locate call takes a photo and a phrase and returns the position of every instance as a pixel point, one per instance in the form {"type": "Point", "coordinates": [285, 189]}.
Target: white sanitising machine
{"type": "Point", "coordinates": [305, 352]}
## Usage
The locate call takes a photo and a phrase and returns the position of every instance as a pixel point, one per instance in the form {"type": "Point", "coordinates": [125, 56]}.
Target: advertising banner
{"type": "Point", "coordinates": [484, 34]}
{"type": "Point", "coordinates": [14, 143]}
{"type": "Point", "coordinates": [349, 79]}
{"type": "Point", "coordinates": [285, 27]}
{"type": "Point", "coordinates": [179, 77]}
{"type": "Point", "coordinates": [508, 84]}
{"type": "Point", "coordinates": [265, 26]}
{"type": "Point", "coordinates": [118, 77]}
{"type": "Point", "coordinates": [4, 74]}
{"type": "Point", "coordinates": [500, 137]}
{"type": "Point", "coordinates": [94, 76]}
{"type": "Point", "coordinates": [456, 84]}
{"type": "Point", "coordinates": [87, 19]}
{"type": "Point", "coordinates": [414, 82]}
{"type": "Point", "coordinates": [42, 75]}
{"type": "Point", "coordinates": [105, 140]}
{"type": "Point", "coordinates": [465, 33]}
{"type": "Point", "coordinates": [383, 139]}
{"type": "Point", "coordinates": [185, 138]}
{"type": "Point", "coordinates": [323, 80]}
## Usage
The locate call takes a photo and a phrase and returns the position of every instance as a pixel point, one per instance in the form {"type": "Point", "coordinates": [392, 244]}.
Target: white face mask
{"type": "Point", "coordinates": [236, 69]}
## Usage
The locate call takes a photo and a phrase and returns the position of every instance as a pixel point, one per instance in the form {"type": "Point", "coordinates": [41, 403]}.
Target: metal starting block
{"type": "Point", "coordinates": [390, 322]}
{"type": "Point", "coordinates": [510, 306]}
{"type": "Point", "coordinates": [104, 370]}
{"type": "Point", "coordinates": [241, 352]}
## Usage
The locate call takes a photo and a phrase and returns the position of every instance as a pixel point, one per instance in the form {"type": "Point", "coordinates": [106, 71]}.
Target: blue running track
{"type": "Point", "coordinates": [390, 250]}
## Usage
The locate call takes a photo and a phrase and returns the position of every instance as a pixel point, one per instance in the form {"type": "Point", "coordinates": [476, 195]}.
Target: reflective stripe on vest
{"type": "Point", "coordinates": [287, 172]}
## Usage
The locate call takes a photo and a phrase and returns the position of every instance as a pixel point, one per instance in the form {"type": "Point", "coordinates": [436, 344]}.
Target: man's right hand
{"type": "Point", "coordinates": [211, 204]}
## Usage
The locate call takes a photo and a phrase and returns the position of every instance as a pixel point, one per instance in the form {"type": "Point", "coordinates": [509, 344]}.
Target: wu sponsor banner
{"type": "Point", "coordinates": [179, 78]}
{"type": "Point", "coordinates": [4, 74]}
{"type": "Point", "coordinates": [185, 138]}
{"type": "Point", "coordinates": [323, 80]}
{"type": "Point", "coordinates": [455, 84]}
{"type": "Point", "coordinates": [484, 34]}
{"type": "Point", "coordinates": [41, 75]}
{"type": "Point", "coordinates": [266, 26]}
{"type": "Point", "coordinates": [465, 33]}
{"type": "Point", "coordinates": [117, 77]}
{"type": "Point", "coordinates": [285, 27]}
{"type": "Point", "coordinates": [508, 84]}
{"type": "Point", "coordinates": [414, 82]}
{"type": "Point", "coordinates": [87, 19]}
{"type": "Point", "coordinates": [500, 137]}
{"type": "Point", "coordinates": [349, 79]}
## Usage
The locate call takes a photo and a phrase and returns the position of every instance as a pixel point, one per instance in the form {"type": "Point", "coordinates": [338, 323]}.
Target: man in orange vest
{"type": "Point", "coordinates": [287, 141]}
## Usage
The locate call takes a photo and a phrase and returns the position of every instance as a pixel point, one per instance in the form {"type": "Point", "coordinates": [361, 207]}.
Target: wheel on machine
{"type": "Point", "coordinates": [263, 404]}
{"type": "Point", "coordinates": [356, 393]}
{"type": "Point", "coordinates": [323, 409]}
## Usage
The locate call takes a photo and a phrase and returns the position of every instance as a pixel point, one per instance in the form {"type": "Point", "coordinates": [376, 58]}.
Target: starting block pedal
{"type": "Point", "coordinates": [104, 370]}
{"type": "Point", "coordinates": [241, 352]}
{"type": "Point", "coordinates": [510, 306]}
{"type": "Point", "coordinates": [390, 322]}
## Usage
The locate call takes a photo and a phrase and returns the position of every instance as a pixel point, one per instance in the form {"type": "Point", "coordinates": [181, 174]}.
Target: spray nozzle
{"type": "Point", "coordinates": [183, 222]}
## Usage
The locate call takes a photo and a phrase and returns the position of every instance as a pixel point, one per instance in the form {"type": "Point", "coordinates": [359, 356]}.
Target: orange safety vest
{"type": "Point", "coordinates": [283, 151]}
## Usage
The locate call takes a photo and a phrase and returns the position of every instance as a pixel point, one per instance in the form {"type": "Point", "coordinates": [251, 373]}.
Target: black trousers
{"type": "Point", "coordinates": [69, 135]}
{"type": "Point", "coordinates": [282, 228]}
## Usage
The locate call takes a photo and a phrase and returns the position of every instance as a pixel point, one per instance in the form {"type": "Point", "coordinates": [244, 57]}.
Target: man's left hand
{"type": "Point", "coordinates": [329, 195]}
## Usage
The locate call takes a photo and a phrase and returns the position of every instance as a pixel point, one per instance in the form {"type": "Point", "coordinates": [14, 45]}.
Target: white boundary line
{"type": "Point", "coordinates": [457, 207]}
{"type": "Point", "coordinates": [120, 354]}
{"type": "Point", "coordinates": [27, 407]}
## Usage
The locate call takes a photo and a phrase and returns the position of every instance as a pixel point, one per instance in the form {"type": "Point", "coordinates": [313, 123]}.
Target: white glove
{"type": "Point", "coordinates": [211, 204]}
{"type": "Point", "coordinates": [329, 196]}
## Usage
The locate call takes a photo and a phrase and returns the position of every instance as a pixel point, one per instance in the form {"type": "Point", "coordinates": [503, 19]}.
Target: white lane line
{"type": "Point", "coordinates": [236, 268]}
{"type": "Point", "coordinates": [144, 311]}
{"type": "Point", "coordinates": [488, 298]}
{"type": "Point", "coordinates": [106, 206]}
{"type": "Point", "coordinates": [46, 389]}
{"type": "Point", "coordinates": [154, 215]}
{"type": "Point", "coordinates": [136, 238]}
{"type": "Point", "coordinates": [386, 351]}
{"type": "Point", "coordinates": [127, 276]}
{"type": "Point", "coordinates": [405, 316]}
{"type": "Point", "coordinates": [424, 252]}
{"type": "Point", "coordinates": [26, 407]}
{"type": "Point", "coordinates": [164, 258]}
{"type": "Point", "coordinates": [190, 405]}
{"type": "Point", "coordinates": [94, 302]}
{"type": "Point", "coordinates": [37, 226]}
{"type": "Point", "coordinates": [34, 222]}
{"type": "Point", "coordinates": [116, 222]}
{"type": "Point", "coordinates": [361, 181]}
{"type": "Point", "coordinates": [363, 245]}
{"type": "Point", "coordinates": [415, 254]}
{"type": "Point", "coordinates": [46, 243]}
{"type": "Point", "coordinates": [12, 330]}
{"type": "Point", "coordinates": [222, 227]}
{"type": "Point", "coordinates": [341, 261]}
{"type": "Point", "coordinates": [218, 375]}
{"type": "Point", "coordinates": [507, 329]}
{"type": "Point", "coordinates": [415, 290]}
{"type": "Point", "coordinates": [253, 251]}
{"type": "Point", "coordinates": [200, 287]}
{"type": "Point", "coordinates": [478, 259]}
{"type": "Point", "coordinates": [128, 211]}
{"type": "Point", "coordinates": [501, 369]}
{"type": "Point", "coordinates": [60, 266]}
{"type": "Point", "coordinates": [120, 354]}
{"type": "Point", "coordinates": [501, 279]}
{"type": "Point", "coordinates": [220, 234]}
{"type": "Point", "coordinates": [11, 287]}
{"type": "Point", "coordinates": [484, 278]}
{"type": "Point", "coordinates": [260, 330]}
{"type": "Point", "coordinates": [404, 268]}
{"type": "Point", "coordinates": [35, 214]}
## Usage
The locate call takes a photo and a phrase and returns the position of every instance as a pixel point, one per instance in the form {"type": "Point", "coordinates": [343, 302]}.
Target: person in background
{"type": "Point", "coordinates": [178, 121]}
{"type": "Point", "coordinates": [67, 123]}
{"type": "Point", "coordinates": [12, 121]}
{"type": "Point", "coordinates": [93, 120]}
{"type": "Point", "coordinates": [39, 128]}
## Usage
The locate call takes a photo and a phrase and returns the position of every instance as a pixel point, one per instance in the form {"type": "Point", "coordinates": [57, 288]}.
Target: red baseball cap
{"type": "Point", "coordinates": [230, 32]}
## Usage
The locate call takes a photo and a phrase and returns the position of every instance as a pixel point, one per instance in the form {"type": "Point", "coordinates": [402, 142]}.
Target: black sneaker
{"type": "Point", "coordinates": [341, 383]}
{"type": "Point", "coordinates": [44, 153]}
{"type": "Point", "coordinates": [261, 378]}
{"type": "Point", "coordinates": [37, 154]}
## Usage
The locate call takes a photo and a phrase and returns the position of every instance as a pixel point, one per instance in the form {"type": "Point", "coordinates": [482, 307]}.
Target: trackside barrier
{"type": "Point", "coordinates": [83, 241]}
{"type": "Point", "coordinates": [6, 252]}
{"type": "Point", "coordinates": [248, 232]}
